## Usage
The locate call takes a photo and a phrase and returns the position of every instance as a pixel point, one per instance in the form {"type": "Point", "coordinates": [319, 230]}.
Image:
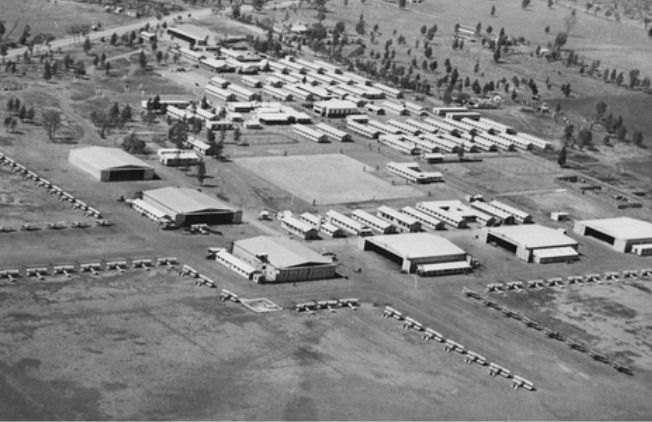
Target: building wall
{"type": "Point", "coordinates": [280, 275]}
{"type": "Point", "coordinates": [85, 166]}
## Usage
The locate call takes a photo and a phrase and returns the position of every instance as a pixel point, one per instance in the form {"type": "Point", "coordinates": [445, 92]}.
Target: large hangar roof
{"type": "Point", "coordinates": [104, 158]}
{"type": "Point", "coordinates": [186, 201]}
{"type": "Point", "coordinates": [282, 252]}
{"type": "Point", "coordinates": [417, 245]}
{"type": "Point", "coordinates": [534, 236]}
{"type": "Point", "coordinates": [621, 227]}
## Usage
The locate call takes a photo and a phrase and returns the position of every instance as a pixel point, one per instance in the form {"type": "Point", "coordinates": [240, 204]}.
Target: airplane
{"type": "Point", "coordinates": [64, 269]}
{"type": "Point", "coordinates": [611, 275]}
{"type": "Point", "coordinates": [451, 346]}
{"type": "Point", "coordinates": [622, 368]}
{"type": "Point", "coordinates": [471, 293]}
{"type": "Point", "coordinates": [37, 272]}
{"type": "Point", "coordinates": [515, 285]}
{"type": "Point", "coordinates": [472, 357]}
{"type": "Point", "coordinates": [142, 263]}
{"type": "Point", "coordinates": [646, 272]}
{"type": "Point", "coordinates": [508, 312]}
{"type": "Point", "coordinates": [556, 281]}
{"type": "Point", "coordinates": [92, 267]}
{"type": "Point", "coordinates": [412, 323]}
{"type": "Point", "coordinates": [199, 228]}
{"type": "Point", "coordinates": [630, 274]}
{"type": "Point", "coordinates": [169, 262]}
{"type": "Point", "coordinates": [576, 345]}
{"type": "Point", "coordinates": [553, 334]}
{"type": "Point", "coordinates": [495, 287]}
{"type": "Point", "coordinates": [351, 303]}
{"type": "Point", "coordinates": [490, 304]}
{"type": "Point", "coordinates": [531, 324]}
{"type": "Point", "coordinates": [599, 356]}
{"type": "Point", "coordinates": [593, 278]}
{"type": "Point", "coordinates": [29, 227]}
{"type": "Point", "coordinates": [105, 223]}
{"type": "Point", "coordinates": [520, 382]}
{"type": "Point", "coordinates": [328, 304]}
{"type": "Point", "coordinates": [306, 307]}
{"type": "Point", "coordinates": [188, 270]}
{"type": "Point", "coordinates": [535, 284]}
{"type": "Point", "coordinates": [79, 224]}
{"type": "Point", "coordinates": [227, 295]}
{"type": "Point", "coordinates": [56, 226]}
{"type": "Point", "coordinates": [393, 313]}
{"type": "Point", "coordinates": [495, 369]}
{"type": "Point", "coordinates": [431, 334]}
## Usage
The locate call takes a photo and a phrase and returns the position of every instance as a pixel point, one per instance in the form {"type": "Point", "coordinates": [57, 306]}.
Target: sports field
{"type": "Point", "coordinates": [326, 179]}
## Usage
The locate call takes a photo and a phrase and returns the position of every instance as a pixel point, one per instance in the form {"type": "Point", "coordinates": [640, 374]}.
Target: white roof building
{"type": "Point", "coordinates": [110, 164]}
{"type": "Point", "coordinates": [415, 249]}
{"type": "Point", "coordinates": [621, 233]}
{"type": "Point", "coordinates": [189, 206]}
{"type": "Point", "coordinates": [533, 243]}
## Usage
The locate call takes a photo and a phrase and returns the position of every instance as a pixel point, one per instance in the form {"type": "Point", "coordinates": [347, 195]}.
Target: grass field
{"type": "Point", "coordinates": [326, 179]}
{"type": "Point", "coordinates": [53, 17]}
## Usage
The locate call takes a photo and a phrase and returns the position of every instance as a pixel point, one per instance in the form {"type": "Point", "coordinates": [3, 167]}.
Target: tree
{"type": "Point", "coordinates": [133, 145]}
{"type": "Point", "coordinates": [30, 114]}
{"type": "Point", "coordinates": [360, 26]}
{"type": "Point", "coordinates": [424, 29]}
{"type": "Point", "coordinates": [550, 4]}
{"type": "Point", "coordinates": [7, 123]}
{"type": "Point", "coordinates": [561, 158]}
{"type": "Point", "coordinates": [493, 10]}
{"type": "Point", "coordinates": [52, 122]}
{"type": "Point", "coordinates": [637, 139]}
{"type": "Point", "coordinates": [237, 135]}
{"type": "Point", "coordinates": [600, 109]}
{"type": "Point", "coordinates": [568, 131]}
{"type": "Point", "coordinates": [497, 55]}
{"type": "Point", "coordinates": [633, 78]}
{"type": "Point", "coordinates": [148, 118]}
{"type": "Point", "coordinates": [142, 59]}
{"type": "Point", "coordinates": [584, 137]}
{"type": "Point", "coordinates": [125, 113]}
{"type": "Point", "coordinates": [201, 172]}
{"type": "Point", "coordinates": [10, 105]}
{"type": "Point", "coordinates": [622, 133]}
{"type": "Point", "coordinates": [401, 4]}
{"type": "Point", "coordinates": [525, 4]}
{"type": "Point", "coordinates": [22, 113]}
{"type": "Point", "coordinates": [47, 71]}
{"type": "Point", "coordinates": [560, 40]}
{"type": "Point", "coordinates": [178, 134]}
{"type": "Point", "coordinates": [87, 45]}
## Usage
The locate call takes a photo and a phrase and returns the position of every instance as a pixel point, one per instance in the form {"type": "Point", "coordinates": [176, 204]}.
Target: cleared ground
{"type": "Point", "coordinates": [326, 179]}
{"type": "Point", "coordinates": [151, 345]}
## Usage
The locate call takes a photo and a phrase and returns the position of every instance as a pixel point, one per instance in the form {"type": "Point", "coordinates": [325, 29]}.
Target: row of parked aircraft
{"type": "Point", "coordinates": [550, 333]}
{"type": "Point", "coordinates": [519, 286]}
{"type": "Point", "coordinates": [91, 267]}
{"type": "Point", "coordinates": [452, 346]}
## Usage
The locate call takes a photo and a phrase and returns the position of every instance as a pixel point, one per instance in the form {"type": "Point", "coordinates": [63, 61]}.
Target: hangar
{"type": "Point", "coordinates": [110, 164]}
{"type": "Point", "coordinates": [622, 233]}
{"type": "Point", "coordinates": [533, 243]}
{"type": "Point", "coordinates": [424, 253]}
{"type": "Point", "coordinates": [282, 260]}
{"type": "Point", "coordinates": [189, 206]}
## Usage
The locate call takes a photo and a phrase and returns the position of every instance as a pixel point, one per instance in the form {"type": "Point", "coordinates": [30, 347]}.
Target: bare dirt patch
{"type": "Point", "coordinates": [327, 179]}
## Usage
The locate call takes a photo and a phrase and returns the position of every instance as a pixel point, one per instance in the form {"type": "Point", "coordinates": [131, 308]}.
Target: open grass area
{"type": "Point", "coordinates": [54, 17]}
{"type": "Point", "coordinates": [326, 179]}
